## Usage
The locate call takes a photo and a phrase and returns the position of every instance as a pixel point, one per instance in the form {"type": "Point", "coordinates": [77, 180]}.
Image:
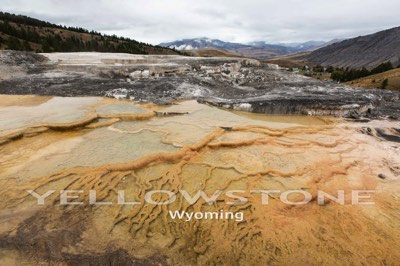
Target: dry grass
{"type": "Point", "coordinates": [212, 53]}
{"type": "Point", "coordinates": [291, 60]}
{"type": "Point", "coordinates": [375, 81]}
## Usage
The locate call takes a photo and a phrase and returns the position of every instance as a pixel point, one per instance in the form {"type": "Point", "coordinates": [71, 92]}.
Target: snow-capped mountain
{"type": "Point", "coordinates": [202, 43]}
{"type": "Point", "coordinates": [304, 46]}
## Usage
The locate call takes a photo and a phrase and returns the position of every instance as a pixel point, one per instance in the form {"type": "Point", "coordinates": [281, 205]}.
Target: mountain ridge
{"type": "Point", "coordinates": [258, 49]}
{"type": "Point", "coordinates": [363, 51]}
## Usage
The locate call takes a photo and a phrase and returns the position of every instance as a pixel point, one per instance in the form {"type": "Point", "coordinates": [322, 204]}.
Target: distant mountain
{"type": "Point", "coordinates": [24, 33]}
{"type": "Point", "coordinates": [305, 45]}
{"type": "Point", "coordinates": [365, 51]}
{"type": "Point", "coordinates": [310, 45]}
{"type": "Point", "coordinates": [259, 49]}
{"type": "Point", "coordinates": [203, 44]}
{"type": "Point", "coordinates": [293, 47]}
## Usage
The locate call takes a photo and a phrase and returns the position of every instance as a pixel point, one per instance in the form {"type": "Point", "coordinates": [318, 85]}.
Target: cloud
{"type": "Point", "coordinates": [156, 21]}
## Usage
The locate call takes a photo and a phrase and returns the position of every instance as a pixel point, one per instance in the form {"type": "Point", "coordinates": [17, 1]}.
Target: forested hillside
{"type": "Point", "coordinates": [19, 32]}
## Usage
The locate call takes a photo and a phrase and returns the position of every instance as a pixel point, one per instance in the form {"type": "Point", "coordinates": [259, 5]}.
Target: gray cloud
{"type": "Point", "coordinates": [156, 21]}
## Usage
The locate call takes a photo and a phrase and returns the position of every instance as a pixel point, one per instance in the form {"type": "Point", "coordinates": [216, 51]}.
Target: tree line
{"type": "Point", "coordinates": [347, 74]}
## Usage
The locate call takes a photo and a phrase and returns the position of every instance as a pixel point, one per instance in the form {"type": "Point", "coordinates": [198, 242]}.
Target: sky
{"type": "Point", "coordinates": [272, 21]}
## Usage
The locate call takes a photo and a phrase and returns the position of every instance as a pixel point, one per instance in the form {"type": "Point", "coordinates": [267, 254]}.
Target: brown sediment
{"type": "Point", "coordinates": [22, 100]}
{"type": "Point", "coordinates": [105, 123]}
{"type": "Point", "coordinates": [129, 116]}
{"type": "Point", "coordinates": [90, 121]}
{"type": "Point", "coordinates": [250, 157]}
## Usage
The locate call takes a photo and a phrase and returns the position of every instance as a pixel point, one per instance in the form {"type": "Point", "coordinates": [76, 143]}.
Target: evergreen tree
{"type": "Point", "coordinates": [330, 69]}
{"type": "Point", "coordinates": [385, 83]}
{"type": "Point", "coordinates": [27, 46]}
{"type": "Point", "coordinates": [13, 44]}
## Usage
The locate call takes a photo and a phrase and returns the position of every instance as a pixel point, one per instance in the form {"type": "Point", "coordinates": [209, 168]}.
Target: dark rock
{"type": "Point", "coordinates": [169, 113]}
{"type": "Point", "coordinates": [382, 176]}
{"type": "Point", "coordinates": [366, 130]}
{"type": "Point", "coordinates": [389, 137]}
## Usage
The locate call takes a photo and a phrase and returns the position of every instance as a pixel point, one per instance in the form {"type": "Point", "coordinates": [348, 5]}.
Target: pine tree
{"type": "Point", "coordinates": [13, 44]}
{"type": "Point", "coordinates": [385, 83]}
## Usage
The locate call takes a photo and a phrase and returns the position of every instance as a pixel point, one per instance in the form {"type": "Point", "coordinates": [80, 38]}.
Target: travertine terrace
{"type": "Point", "coordinates": [141, 124]}
{"type": "Point", "coordinates": [108, 145]}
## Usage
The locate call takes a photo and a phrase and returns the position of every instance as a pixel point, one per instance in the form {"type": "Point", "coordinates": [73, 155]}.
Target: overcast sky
{"type": "Point", "coordinates": [242, 21]}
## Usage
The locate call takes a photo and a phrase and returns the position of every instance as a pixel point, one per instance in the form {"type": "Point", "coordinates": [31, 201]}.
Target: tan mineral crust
{"type": "Point", "coordinates": [107, 145]}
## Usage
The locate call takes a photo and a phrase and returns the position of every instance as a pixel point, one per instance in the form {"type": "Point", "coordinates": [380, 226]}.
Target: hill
{"type": "Point", "coordinates": [291, 60]}
{"type": "Point", "coordinates": [24, 33]}
{"type": "Point", "coordinates": [376, 81]}
{"type": "Point", "coordinates": [365, 51]}
{"type": "Point", "coordinates": [212, 53]}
